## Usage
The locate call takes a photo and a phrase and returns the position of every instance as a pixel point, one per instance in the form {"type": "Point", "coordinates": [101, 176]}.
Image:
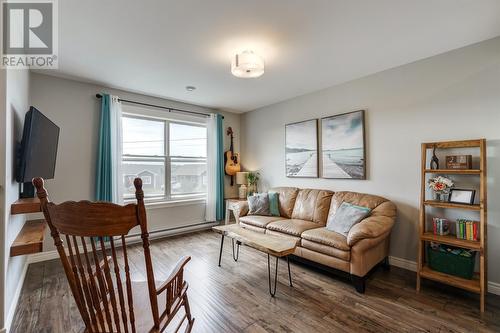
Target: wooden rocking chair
{"type": "Point", "coordinates": [95, 269]}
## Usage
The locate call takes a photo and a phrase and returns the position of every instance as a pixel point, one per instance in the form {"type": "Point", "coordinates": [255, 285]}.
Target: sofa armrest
{"type": "Point", "coordinates": [242, 208]}
{"type": "Point", "coordinates": [371, 227]}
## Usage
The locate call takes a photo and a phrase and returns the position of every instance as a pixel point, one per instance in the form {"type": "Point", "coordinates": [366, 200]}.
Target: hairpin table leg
{"type": "Point", "coordinates": [272, 290]}
{"type": "Point", "coordinates": [238, 243]}
{"type": "Point", "coordinates": [221, 246]}
{"type": "Point", "coordinates": [289, 273]}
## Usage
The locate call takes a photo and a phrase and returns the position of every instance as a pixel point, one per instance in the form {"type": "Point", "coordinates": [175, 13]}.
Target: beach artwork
{"type": "Point", "coordinates": [301, 149]}
{"type": "Point", "coordinates": [343, 146]}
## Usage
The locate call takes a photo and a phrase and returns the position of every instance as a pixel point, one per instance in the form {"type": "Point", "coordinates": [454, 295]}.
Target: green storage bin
{"type": "Point", "coordinates": [449, 263]}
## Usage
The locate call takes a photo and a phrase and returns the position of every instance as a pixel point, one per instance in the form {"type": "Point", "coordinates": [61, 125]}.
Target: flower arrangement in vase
{"type": "Point", "coordinates": [441, 187]}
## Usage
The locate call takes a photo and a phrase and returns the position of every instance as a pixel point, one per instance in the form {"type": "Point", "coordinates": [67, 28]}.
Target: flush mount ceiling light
{"type": "Point", "coordinates": [247, 65]}
{"type": "Point", "coordinates": [190, 88]}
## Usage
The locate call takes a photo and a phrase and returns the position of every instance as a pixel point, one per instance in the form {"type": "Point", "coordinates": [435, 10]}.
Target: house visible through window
{"type": "Point", "coordinates": [168, 155]}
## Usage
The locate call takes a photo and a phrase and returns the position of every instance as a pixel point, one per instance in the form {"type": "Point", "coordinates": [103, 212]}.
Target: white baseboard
{"type": "Point", "coordinates": [50, 255]}
{"type": "Point", "coordinates": [403, 263]}
{"type": "Point", "coordinates": [15, 300]}
{"type": "Point", "coordinates": [493, 287]}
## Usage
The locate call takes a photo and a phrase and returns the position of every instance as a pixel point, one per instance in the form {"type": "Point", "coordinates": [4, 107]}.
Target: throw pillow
{"type": "Point", "coordinates": [258, 204]}
{"type": "Point", "coordinates": [346, 217]}
{"type": "Point", "coordinates": [274, 209]}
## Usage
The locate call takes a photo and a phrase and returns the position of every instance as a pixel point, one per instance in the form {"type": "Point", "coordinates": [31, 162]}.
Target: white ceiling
{"type": "Point", "coordinates": [159, 47]}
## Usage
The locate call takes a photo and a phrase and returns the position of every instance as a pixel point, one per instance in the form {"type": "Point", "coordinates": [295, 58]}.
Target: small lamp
{"type": "Point", "coordinates": [241, 179]}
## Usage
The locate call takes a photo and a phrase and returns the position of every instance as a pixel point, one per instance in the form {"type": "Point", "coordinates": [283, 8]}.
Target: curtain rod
{"type": "Point", "coordinates": [160, 107]}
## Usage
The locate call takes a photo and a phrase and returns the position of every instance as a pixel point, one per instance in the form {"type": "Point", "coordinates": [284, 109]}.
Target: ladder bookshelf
{"type": "Point", "coordinates": [479, 283]}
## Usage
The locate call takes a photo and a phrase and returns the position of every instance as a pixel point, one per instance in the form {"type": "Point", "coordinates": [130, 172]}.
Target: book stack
{"type": "Point", "coordinates": [440, 226]}
{"type": "Point", "coordinates": [468, 230]}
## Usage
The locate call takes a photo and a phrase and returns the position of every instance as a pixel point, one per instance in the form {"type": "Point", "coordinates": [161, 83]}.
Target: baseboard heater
{"type": "Point", "coordinates": [133, 238]}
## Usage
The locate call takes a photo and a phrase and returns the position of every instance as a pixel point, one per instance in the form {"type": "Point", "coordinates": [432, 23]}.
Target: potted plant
{"type": "Point", "coordinates": [441, 187]}
{"type": "Point", "coordinates": [252, 178]}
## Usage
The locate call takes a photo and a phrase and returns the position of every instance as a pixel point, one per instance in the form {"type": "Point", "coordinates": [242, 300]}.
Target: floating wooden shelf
{"type": "Point", "coordinates": [451, 240]}
{"type": "Point", "coordinates": [443, 204]}
{"type": "Point", "coordinates": [454, 171]}
{"type": "Point", "coordinates": [25, 206]}
{"type": "Point", "coordinates": [470, 285]}
{"type": "Point", "coordinates": [30, 238]}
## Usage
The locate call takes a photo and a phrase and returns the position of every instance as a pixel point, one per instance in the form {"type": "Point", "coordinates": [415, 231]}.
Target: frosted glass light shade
{"type": "Point", "coordinates": [241, 178]}
{"type": "Point", "coordinates": [247, 65]}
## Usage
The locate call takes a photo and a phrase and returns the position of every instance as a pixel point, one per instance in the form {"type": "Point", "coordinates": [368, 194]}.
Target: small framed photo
{"type": "Point", "coordinates": [462, 196]}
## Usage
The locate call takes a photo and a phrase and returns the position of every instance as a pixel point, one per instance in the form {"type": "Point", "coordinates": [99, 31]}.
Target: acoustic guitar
{"type": "Point", "coordinates": [231, 159]}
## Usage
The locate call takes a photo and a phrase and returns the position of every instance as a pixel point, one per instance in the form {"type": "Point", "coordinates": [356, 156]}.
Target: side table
{"type": "Point", "coordinates": [233, 206]}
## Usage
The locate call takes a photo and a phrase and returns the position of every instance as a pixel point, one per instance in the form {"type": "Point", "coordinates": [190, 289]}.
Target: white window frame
{"type": "Point", "coordinates": [167, 199]}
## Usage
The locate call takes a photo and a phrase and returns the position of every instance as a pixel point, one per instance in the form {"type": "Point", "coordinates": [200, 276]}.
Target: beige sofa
{"type": "Point", "coordinates": [303, 217]}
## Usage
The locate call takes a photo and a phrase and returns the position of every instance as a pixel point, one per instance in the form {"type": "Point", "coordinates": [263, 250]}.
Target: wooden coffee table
{"type": "Point", "coordinates": [271, 245]}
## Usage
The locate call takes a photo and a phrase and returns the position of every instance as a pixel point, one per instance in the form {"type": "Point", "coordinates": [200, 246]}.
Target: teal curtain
{"type": "Point", "coordinates": [104, 182]}
{"type": "Point", "coordinates": [219, 180]}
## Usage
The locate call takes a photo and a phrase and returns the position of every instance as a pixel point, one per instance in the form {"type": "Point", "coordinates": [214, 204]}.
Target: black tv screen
{"type": "Point", "coordinates": [38, 151]}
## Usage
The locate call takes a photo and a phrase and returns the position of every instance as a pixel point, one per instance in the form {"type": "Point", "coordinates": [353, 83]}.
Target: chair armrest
{"type": "Point", "coordinates": [371, 227]}
{"type": "Point", "coordinates": [176, 271]}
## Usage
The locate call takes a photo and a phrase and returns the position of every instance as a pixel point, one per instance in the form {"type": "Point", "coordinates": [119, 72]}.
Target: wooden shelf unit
{"type": "Point", "coordinates": [30, 238]}
{"type": "Point", "coordinates": [454, 171]}
{"type": "Point", "coordinates": [25, 206]}
{"type": "Point", "coordinates": [451, 205]}
{"type": "Point", "coordinates": [478, 284]}
{"type": "Point", "coordinates": [452, 240]}
{"type": "Point", "coordinates": [470, 285]}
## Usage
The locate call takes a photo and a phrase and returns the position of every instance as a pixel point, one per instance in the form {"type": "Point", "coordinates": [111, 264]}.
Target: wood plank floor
{"type": "Point", "coordinates": [234, 298]}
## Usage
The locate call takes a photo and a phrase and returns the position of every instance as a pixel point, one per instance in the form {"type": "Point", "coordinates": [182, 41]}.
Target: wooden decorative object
{"type": "Point", "coordinates": [84, 234]}
{"type": "Point", "coordinates": [478, 284]}
{"type": "Point", "coordinates": [461, 162]}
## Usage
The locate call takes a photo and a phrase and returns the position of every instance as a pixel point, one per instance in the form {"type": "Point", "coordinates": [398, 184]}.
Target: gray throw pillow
{"type": "Point", "coordinates": [258, 204]}
{"type": "Point", "coordinates": [346, 217]}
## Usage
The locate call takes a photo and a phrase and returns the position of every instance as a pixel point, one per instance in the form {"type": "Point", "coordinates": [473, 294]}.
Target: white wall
{"type": "Point", "coordinates": [72, 105]}
{"type": "Point", "coordinates": [16, 105]}
{"type": "Point", "coordinates": [452, 96]}
{"type": "Point", "coordinates": [3, 117]}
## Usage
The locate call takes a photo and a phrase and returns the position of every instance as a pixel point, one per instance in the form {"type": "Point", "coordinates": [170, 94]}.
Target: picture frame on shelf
{"type": "Point", "coordinates": [459, 162]}
{"type": "Point", "coordinates": [462, 196]}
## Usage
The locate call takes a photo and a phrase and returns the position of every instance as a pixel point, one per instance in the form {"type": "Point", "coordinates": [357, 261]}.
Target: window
{"type": "Point", "coordinates": [168, 155]}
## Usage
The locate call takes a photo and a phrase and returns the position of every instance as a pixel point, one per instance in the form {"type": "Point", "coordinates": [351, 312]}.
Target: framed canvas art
{"type": "Point", "coordinates": [301, 149]}
{"type": "Point", "coordinates": [343, 146]}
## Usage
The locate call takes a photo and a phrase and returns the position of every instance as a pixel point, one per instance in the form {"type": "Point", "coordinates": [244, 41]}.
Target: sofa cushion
{"type": "Point", "coordinates": [274, 208]}
{"type": "Point", "coordinates": [326, 237]}
{"type": "Point", "coordinates": [326, 249]}
{"type": "Point", "coordinates": [346, 217]}
{"type": "Point", "coordinates": [259, 221]}
{"type": "Point", "coordinates": [252, 227]}
{"type": "Point", "coordinates": [258, 204]}
{"type": "Point", "coordinates": [292, 227]}
{"type": "Point", "coordinates": [286, 200]}
{"type": "Point", "coordinates": [312, 205]}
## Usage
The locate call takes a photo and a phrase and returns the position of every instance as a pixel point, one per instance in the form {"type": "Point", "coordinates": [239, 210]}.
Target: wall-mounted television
{"type": "Point", "coordinates": [38, 151]}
